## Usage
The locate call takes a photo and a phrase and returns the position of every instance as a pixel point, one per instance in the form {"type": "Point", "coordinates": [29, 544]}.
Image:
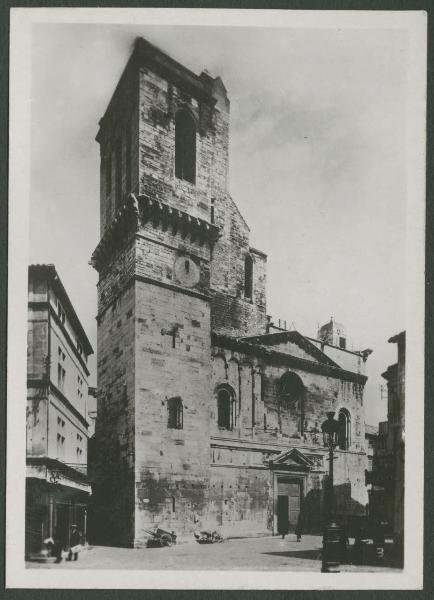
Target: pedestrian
{"type": "Point", "coordinates": [59, 543]}
{"type": "Point", "coordinates": [283, 529]}
{"type": "Point", "coordinates": [298, 532]}
{"type": "Point", "coordinates": [299, 527]}
{"type": "Point", "coordinates": [74, 543]}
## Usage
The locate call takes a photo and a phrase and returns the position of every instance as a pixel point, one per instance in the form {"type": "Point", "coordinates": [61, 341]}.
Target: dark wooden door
{"type": "Point", "coordinates": [282, 514]}
{"type": "Point", "coordinates": [288, 505]}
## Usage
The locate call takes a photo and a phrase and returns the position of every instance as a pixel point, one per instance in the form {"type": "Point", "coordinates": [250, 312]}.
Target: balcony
{"type": "Point", "coordinates": [57, 472]}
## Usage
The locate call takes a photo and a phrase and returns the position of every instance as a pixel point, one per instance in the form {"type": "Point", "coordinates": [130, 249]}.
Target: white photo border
{"type": "Point", "coordinates": [21, 21]}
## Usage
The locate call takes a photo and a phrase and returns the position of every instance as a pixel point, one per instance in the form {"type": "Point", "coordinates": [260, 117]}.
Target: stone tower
{"type": "Point", "coordinates": [171, 264]}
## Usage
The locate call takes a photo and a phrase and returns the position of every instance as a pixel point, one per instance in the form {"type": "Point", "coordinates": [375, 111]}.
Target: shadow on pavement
{"type": "Point", "coordinates": [308, 554]}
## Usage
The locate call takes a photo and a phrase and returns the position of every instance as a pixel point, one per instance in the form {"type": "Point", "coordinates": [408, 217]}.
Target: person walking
{"type": "Point", "coordinates": [300, 522]}
{"type": "Point", "coordinates": [59, 543]}
{"type": "Point", "coordinates": [75, 540]}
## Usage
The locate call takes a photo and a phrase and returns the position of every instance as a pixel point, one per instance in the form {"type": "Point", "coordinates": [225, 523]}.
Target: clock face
{"type": "Point", "coordinates": [186, 271]}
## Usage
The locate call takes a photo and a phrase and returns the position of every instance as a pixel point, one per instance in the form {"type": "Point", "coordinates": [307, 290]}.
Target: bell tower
{"type": "Point", "coordinates": [164, 162]}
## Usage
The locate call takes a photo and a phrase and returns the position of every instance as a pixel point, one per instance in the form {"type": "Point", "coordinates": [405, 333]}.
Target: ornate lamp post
{"type": "Point", "coordinates": [332, 534]}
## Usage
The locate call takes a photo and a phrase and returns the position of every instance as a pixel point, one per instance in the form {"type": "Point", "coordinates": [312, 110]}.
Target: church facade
{"type": "Point", "coordinates": [208, 414]}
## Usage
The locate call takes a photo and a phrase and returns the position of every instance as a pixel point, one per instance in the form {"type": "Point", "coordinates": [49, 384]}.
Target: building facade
{"type": "Point", "coordinates": [387, 476]}
{"type": "Point", "coordinates": [371, 438]}
{"type": "Point", "coordinates": [57, 487]}
{"type": "Point", "coordinates": [207, 415]}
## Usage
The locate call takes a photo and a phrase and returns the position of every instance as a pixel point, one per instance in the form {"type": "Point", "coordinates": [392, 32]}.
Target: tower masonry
{"type": "Point", "coordinates": [203, 417]}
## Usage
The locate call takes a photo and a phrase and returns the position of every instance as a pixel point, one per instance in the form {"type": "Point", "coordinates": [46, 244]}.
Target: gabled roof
{"type": "Point", "coordinates": [276, 357]}
{"type": "Point", "coordinates": [271, 339]}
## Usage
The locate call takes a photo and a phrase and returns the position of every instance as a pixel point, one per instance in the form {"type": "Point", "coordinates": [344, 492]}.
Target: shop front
{"type": "Point", "coordinates": [56, 498]}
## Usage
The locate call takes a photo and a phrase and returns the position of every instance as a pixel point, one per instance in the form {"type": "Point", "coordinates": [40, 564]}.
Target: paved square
{"type": "Point", "coordinates": [265, 554]}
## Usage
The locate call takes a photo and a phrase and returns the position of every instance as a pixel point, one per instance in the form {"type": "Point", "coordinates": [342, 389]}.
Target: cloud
{"type": "Point", "coordinates": [317, 161]}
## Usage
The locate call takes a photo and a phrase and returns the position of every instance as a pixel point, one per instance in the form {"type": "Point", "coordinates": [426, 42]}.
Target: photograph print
{"type": "Point", "coordinates": [222, 274]}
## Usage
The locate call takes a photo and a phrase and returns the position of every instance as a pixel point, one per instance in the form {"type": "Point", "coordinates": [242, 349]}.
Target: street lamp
{"type": "Point", "coordinates": [331, 540]}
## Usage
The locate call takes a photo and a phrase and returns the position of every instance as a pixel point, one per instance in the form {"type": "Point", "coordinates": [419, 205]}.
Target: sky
{"type": "Point", "coordinates": [317, 165]}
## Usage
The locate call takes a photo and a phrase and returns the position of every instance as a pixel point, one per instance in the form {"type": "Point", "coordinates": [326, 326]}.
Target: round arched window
{"type": "Point", "coordinates": [344, 434]}
{"type": "Point", "coordinates": [185, 146]}
{"type": "Point", "coordinates": [225, 409]}
{"type": "Point", "coordinates": [291, 396]}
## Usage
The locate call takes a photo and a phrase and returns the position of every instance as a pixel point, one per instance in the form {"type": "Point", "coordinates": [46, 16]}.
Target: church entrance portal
{"type": "Point", "coordinates": [288, 504]}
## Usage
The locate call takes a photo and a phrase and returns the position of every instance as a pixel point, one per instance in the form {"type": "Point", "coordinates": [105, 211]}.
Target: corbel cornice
{"type": "Point", "coordinates": [141, 210]}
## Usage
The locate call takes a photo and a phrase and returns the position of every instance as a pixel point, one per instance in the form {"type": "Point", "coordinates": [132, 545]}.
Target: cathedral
{"type": "Point", "coordinates": [209, 414]}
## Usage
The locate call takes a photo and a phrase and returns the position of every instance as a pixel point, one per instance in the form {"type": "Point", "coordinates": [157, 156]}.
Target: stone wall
{"type": "Point", "coordinates": [232, 311]}
{"type": "Point", "coordinates": [113, 458]}
{"type": "Point", "coordinates": [159, 101]}
{"type": "Point", "coordinates": [276, 429]}
{"type": "Point", "coordinates": [171, 466]}
{"type": "Point", "coordinates": [121, 131]}
{"type": "Point", "coordinates": [37, 343]}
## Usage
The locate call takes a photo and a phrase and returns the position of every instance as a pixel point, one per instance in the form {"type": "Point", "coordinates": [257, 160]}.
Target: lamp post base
{"type": "Point", "coordinates": [331, 548]}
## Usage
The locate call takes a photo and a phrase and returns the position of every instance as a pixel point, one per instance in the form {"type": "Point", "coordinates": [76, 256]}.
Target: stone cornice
{"type": "Point", "coordinates": [280, 358]}
{"type": "Point", "coordinates": [170, 286]}
{"type": "Point", "coordinates": [55, 390]}
{"type": "Point", "coordinates": [140, 210]}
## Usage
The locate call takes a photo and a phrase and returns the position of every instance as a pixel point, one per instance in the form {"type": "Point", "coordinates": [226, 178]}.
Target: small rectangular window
{"type": "Point", "coordinates": [60, 377]}
{"type": "Point", "coordinates": [60, 313]}
{"type": "Point", "coordinates": [175, 413]}
{"type": "Point", "coordinates": [248, 276]}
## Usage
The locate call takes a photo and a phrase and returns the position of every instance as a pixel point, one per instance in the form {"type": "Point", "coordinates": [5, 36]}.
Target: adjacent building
{"type": "Point", "coordinates": [387, 476]}
{"type": "Point", "coordinates": [207, 415]}
{"type": "Point", "coordinates": [371, 437]}
{"type": "Point", "coordinates": [57, 487]}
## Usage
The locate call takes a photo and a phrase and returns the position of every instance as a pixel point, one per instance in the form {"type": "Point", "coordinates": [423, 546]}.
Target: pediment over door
{"type": "Point", "coordinates": [291, 460]}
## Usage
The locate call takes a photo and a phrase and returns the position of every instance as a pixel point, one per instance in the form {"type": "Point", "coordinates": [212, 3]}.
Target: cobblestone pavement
{"type": "Point", "coordinates": [266, 554]}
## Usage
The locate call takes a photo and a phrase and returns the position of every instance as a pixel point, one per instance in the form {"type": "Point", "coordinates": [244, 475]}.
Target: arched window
{"type": "Point", "coordinates": [225, 409]}
{"type": "Point", "coordinates": [248, 276]}
{"type": "Point", "coordinates": [291, 396]}
{"type": "Point", "coordinates": [174, 413]}
{"type": "Point", "coordinates": [344, 435]}
{"type": "Point", "coordinates": [185, 146]}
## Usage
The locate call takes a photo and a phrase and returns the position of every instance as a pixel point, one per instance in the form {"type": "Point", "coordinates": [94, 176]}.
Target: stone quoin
{"type": "Point", "coordinates": [208, 414]}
